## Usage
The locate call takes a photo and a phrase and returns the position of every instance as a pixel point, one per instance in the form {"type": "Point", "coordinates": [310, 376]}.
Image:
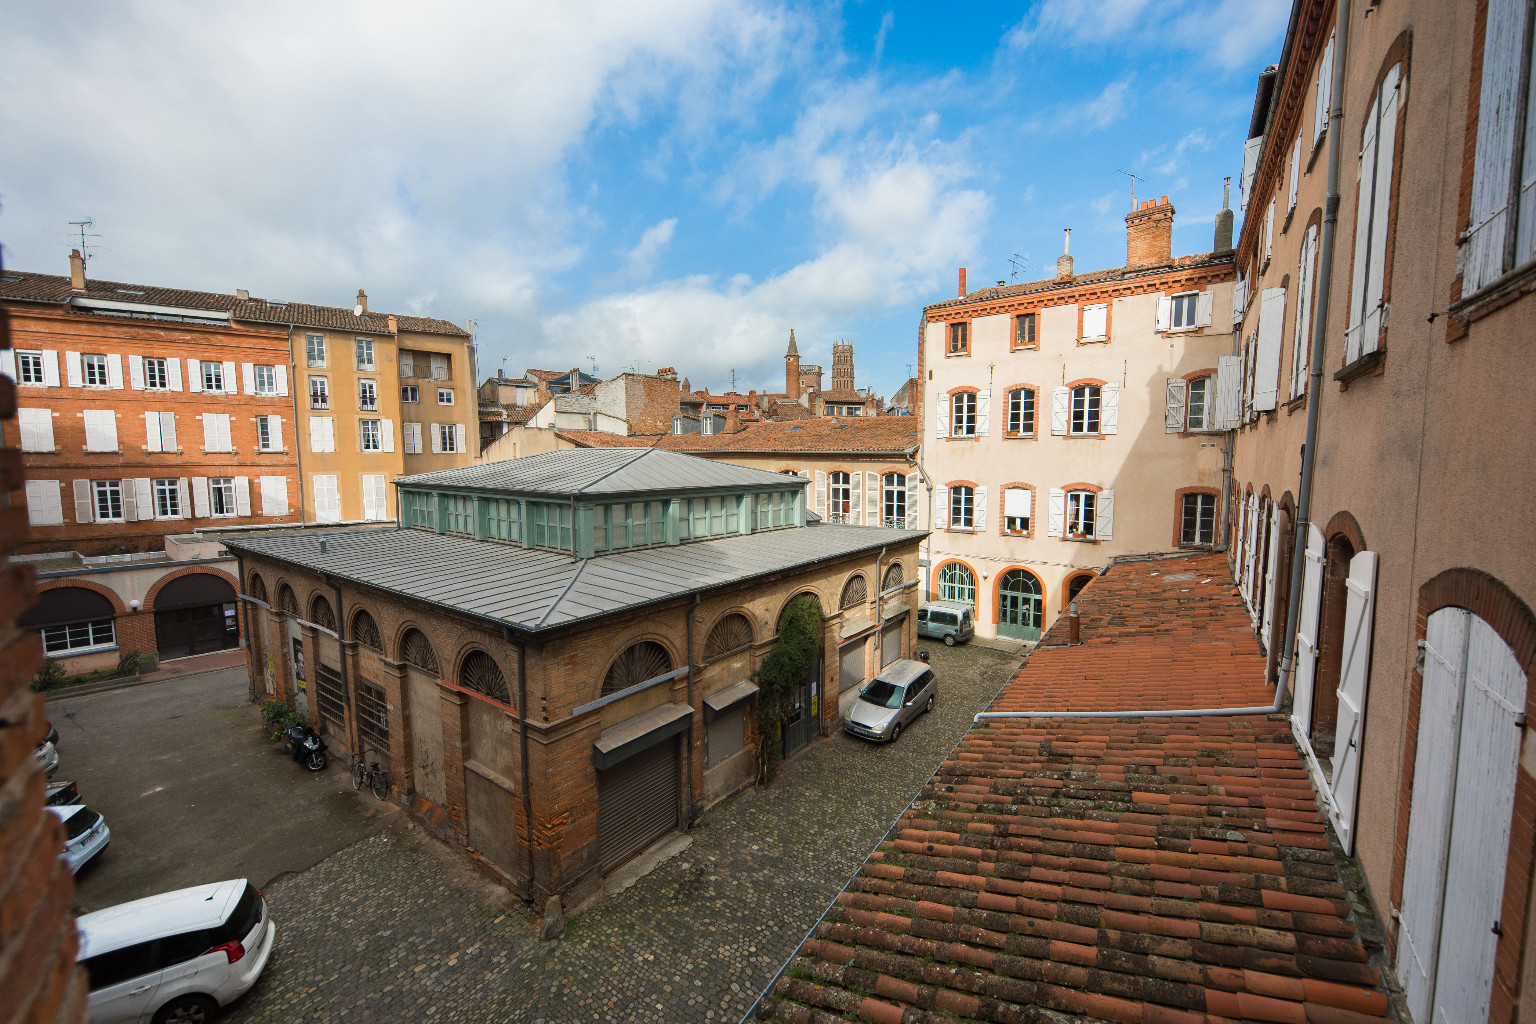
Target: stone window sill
{"type": "Point", "coordinates": [959, 529]}
{"type": "Point", "coordinates": [1496, 294]}
{"type": "Point", "coordinates": [1366, 364]}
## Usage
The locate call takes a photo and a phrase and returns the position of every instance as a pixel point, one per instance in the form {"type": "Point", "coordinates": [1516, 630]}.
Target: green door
{"type": "Point", "coordinates": [1020, 610]}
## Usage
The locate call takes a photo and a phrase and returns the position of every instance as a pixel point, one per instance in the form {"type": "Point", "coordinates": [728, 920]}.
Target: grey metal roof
{"type": "Point", "coordinates": [603, 471]}
{"type": "Point", "coordinates": [540, 590]}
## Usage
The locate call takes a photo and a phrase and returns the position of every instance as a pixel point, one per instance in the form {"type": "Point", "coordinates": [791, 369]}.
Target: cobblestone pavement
{"type": "Point", "coordinates": [398, 928]}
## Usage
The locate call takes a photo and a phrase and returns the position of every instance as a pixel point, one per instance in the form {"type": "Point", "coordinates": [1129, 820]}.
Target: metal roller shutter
{"type": "Point", "coordinates": [890, 642]}
{"type": "Point", "coordinates": [636, 803]}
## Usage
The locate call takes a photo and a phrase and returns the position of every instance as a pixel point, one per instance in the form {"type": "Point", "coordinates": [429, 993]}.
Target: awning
{"type": "Point", "coordinates": [854, 628]}
{"type": "Point", "coordinates": [721, 701]}
{"type": "Point", "coordinates": [66, 604]}
{"type": "Point", "coordinates": [631, 736]}
{"type": "Point", "coordinates": [892, 611]}
{"type": "Point", "coordinates": [194, 590]}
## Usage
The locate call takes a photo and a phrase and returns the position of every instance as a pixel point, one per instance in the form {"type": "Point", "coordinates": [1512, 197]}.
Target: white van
{"type": "Point", "coordinates": [177, 957]}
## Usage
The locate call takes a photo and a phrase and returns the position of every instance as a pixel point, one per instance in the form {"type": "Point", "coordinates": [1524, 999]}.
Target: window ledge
{"type": "Point", "coordinates": [1366, 364]}
{"type": "Point", "coordinates": [1299, 402]}
{"type": "Point", "coordinates": [959, 529]}
{"type": "Point", "coordinates": [1019, 437]}
{"type": "Point", "coordinates": [1080, 540]}
{"type": "Point", "coordinates": [955, 355]}
{"type": "Point", "coordinates": [1093, 341]}
{"type": "Point", "coordinates": [1496, 294]}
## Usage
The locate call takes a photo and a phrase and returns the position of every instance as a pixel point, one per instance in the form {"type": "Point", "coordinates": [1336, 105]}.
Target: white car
{"type": "Point", "coordinates": [47, 756]}
{"type": "Point", "coordinates": [85, 834]}
{"type": "Point", "coordinates": [177, 957]}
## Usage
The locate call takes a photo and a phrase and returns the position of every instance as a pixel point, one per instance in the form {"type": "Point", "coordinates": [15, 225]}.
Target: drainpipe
{"type": "Point", "coordinates": [522, 730]}
{"type": "Point", "coordinates": [1315, 395]}
{"type": "Point", "coordinates": [917, 464]}
{"type": "Point", "coordinates": [298, 446]}
{"type": "Point", "coordinates": [693, 722]}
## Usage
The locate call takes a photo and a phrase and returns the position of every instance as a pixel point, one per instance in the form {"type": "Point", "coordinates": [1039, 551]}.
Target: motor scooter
{"type": "Point", "coordinates": [305, 746]}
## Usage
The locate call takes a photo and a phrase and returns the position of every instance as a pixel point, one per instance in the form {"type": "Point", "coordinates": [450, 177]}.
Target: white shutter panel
{"type": "Point", "coordinates": [941, 416]}
{"type": "Point", "coordinates": [136, 372]}
{"type": "Point", "coordinates": [173, 371]}
{"type": "Point", "coordinates": [984, 413]}
{"type": "Point", "coordinates": [412, 438]}
{"type": "Point", "coordinates": [229, 376]}
{"type": "Point", "coordinates": [247, 378]}
{"type": "Point", "coordinates": [821, 494]}
{"type": "Point", "coordinates": [194, 375]}
{"type": "Point", "coordinates": [437, 438]}
{"type": "Point", "coordinates": [8, 363]}
{"type": "Point", "coordinates": [168, 432]}
{"type": "Point", "coordinates": [36, 429]}
{"type": "Point", "coordinates": [1269, 576]}
{"type": "Point", "coordinates": [371, 509]}
{"type": "Point", "coordinates": [242, 495]}
{"type": "Point", "coordinates": [1173, 406]}
{"type": "Point", "coordinates": [1266, 387]}
{"type": "Point", "coordinates": [43, 505]}
{"type": "Point", "coordinates": [100, 430]}
{"type": "Point", "coordinates": [85, 502]}
{"type": "Point", "coordinates": [855, 499]}
{"type": "Point", "coordinates": [912, 492]}
{"type": "Point", "coordinates": [72, 365]}
{"type": "Point", "coordinates": [1363, 205]}
{"type": "Point", "coordinates": [941, 507]}
{"type": "Point", "coordinates": [1229, 386]}
{"type": "Point", "coordinates": [1320, 110]}
{"type": "Point", "coordinates": [130, 506]}
{"type": "Point", "coordinates": [1302, 346]}
{"type": "Point", "coordinates": [144, 497]}
{"type": "Point", "coordinates": [1269, 231]}
{"type": "Point", "coordinates": [979, 515]}
{"type": "Point", "coordinates": [50, 368]}
{"type": "Point", "coordinates": [199, 497]}
{"type": "Point", "coordinates": [1381, 200]}
{"type": "Point", "coordinates": [1204, 303]}
{"type": "Point", "coordinates": [1354, 676]}
{"type": "Point", "coordinates": [1061, 402]}
{"type": "Point", "coordinates": [152, 439]}
{"type": "Point", "coordinates": [274, 495]}
{"type": "Point", "coordinates": [1096, 321]}
{"type": "Point", "coordinates": [1109, 409]}
{"type": "Point", "coordinates": [388, 429]}
{"type": "Point", "coordinates": [275, 432]}
{"type": "Point", "coordinates": [115, 371]}
{"type": "Point", "coordinates": [1290, 203]}
{"type": "Point", "coordinates": [1057, 513]}
{"type": "Point", "coordinates": [1104, 526]}
{"type": "Point", "coordinates": [407, 364]}
{"type": "Point", "coordinates": [280, 373]}
{"type": "Point", "coordinates": [1499, 103]}
{"type": "Point", "coordinates": [458, 434]}
{"type": "Point", "coordinates": [1164, 312]}
{"type": "Point", "coordinates": [873, 507]}
{"type": "Point", "coordinates": [210, 432]}
{"type": "Point", "coordinates": [1250, 167]}
{"type": "Point", "coordinates": [322, 436]}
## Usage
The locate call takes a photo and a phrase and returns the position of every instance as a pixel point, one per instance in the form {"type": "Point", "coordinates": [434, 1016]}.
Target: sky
{"type": "Point", "coordinates": [631, 185]}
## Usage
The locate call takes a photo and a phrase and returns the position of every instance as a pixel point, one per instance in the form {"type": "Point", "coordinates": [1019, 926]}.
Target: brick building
{"type": "Point", "coordinates": [556, 655]}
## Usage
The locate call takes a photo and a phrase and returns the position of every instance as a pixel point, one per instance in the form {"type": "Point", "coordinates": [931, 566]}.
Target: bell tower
{"type": "Point", "coordinates": [792, 369]}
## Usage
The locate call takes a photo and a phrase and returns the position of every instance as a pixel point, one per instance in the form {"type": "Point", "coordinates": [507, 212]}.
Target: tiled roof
{"type": "Point", "coordinates": [890, 435]}
{"type": "Point", "coordinates": [603, 439]}
{"type": "Point", "coordinates": [1079, 280]}
{"type": "Point", "coordinates": [845, 396]}
{"type": "Point", "coordinates": [787, 410]}
{"type": "Point", "coordinates": [23, 286]}
{"type": "Point", "coordinates": [1146, 871]}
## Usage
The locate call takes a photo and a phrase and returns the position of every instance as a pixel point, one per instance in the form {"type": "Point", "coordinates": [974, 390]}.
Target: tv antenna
{"type": "Point", "coordinates": [594, 365]}
{"type": "Point", "coordinates": [1020, 263]}
{"type": "Point", "coordinates": [733, 378]}
{"type": "Point", "coordinates": [1134, 179]}
{"type": "Point", "coordinates": [82, 225]}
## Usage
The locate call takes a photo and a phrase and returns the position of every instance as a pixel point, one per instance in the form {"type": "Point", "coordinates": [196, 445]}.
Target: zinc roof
{"type": "Point", "coordinates": [539, 590]}
{"type": "Point", "coordinates": [601, 471]}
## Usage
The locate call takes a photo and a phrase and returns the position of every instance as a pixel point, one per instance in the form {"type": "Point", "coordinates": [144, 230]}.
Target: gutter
{"type": "Point", "coordinates": [298, 446]}
{"type": "Point", "coordinates": [916, 463]}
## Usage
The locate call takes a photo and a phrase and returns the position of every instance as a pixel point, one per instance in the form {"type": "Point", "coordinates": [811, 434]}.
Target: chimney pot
{"type": "Point", "coordinates": [394, 324]}
{"type": "Point", "coordinates": [76, 270]}
{"type": "Point", "coordinates": [1149, 235]}
{"type": "Point", "coordinates": [362, 299]}
{"type": "Point", "coordinates": [243, 294]}
{"type": "Point", "coordinates": [962, 282]}
{"type": "Point", "coordinates": [1064, 261]}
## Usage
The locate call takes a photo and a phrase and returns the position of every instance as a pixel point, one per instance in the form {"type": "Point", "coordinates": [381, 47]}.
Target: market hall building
{"type": "Point", "coordinates": [556, 656]}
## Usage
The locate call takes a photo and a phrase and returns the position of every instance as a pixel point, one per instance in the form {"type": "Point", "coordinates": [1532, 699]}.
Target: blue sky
{"type": "Point", "coordinates": [673, 183]}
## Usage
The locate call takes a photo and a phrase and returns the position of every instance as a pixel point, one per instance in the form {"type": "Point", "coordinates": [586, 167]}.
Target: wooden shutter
{"type": "Point", "coordinates": [1269, 575]}
{"type": "Point", "coordinates": [168, 432]}
{"type": "Point", "coordinates": [229, 376]}
{"type": "Point", "coordinates": [1295, 174]}
{"type": "Point", "coordinates": [1228, 410]}
{"type": "Point", "coordinates": [1109, 409]}
{"type": "Point", "coordinates": [50, 368]}
{"type": "Point", "coordinates": [821, 494]}
{"type": "Point", "coordinates": [200, 502]}
{"type": "Point", "coordinates": [1061, 404]}
{"type": "Point", "coordinates": [1269, 231]}
{"type": "Point", "coordinates": [983, 413]}
{"type": "Point", "coordinates": [144, 497]}
{"type": "Point", "coordinates": [437, 438]}
{"type": "Point", "coordinates": [114, 371]}
{"type": "Point", "coordinates": [1250, 167]}
{"type": "Point", "coordinates": [280, 373]}
{"type": "Point", "coordinates": [274, 495]}
{"type": "Point", "coordinates": [1381, 200]}
{"type": "Point", "coordinates": [327, 500]}
{"type": "Point", "coordinates": [1096, 321]}
{"type": "Point", "coordinates": [1104, 525]}
{"type": "Point", "coordinates": [439, 363]}
{"type": "Point", "coordinates": [387, 428]}
{"type": "Point", "coordinates": [100, 430]}
{"type": "Point", "coordinates": [152, 439]}
{"type": "Point", "coordinates": [941, 416]}
{"type": "Point", "coordinates": [458, 436]}
{"type": "Point", "coordinates": [1301, 349]}
{"type": "Point", "coordinates": [85, 502]}
{"type": "Point", "coordinates": [1320, 109]}
{"type": "Point", "coordinates": [136, 372]}
{"type": "Point", "coordinates": [1173, 405]}
{"type": "Point", "coordinates": [372, 508]}
{"type": "Point", "coordinates": [407, 364]}
{"type": "Point", "coordinates": [185, 497]}
{"type": "Point", "coordinates": [1204, 304]}
{"type": "Point", "coordinates": [1056, 513]}
{"type": "Point", "coordinates": [173, 371]}
{"type": "Point", "coordinates": [8, 363]}
{"type": "Point", "coordinates": [130, 503]}
{"type": "Point", "coordinates": [941, 507]}
{"type": "Point", "coordinates": [1164, 312]}
{"type": "Point", "coordinates": [979, 513]}
{"type": "Point", "coordinates": [43, 505]}
{"type": "Point", "coordinates": [320, 434]}
{"type": "Point", "coordinates": [912, 518]}
{"type": "Point", "coordinates": [855, 499]}
{"type": "Point", "coordinates": [73, 368]}
{"type": "Point", "coordinates": [275, 432]}
{"type": "Point", "coordinates": [210, 432]}
{"type": "Point", "coordinates": [1354, 677]}
{"type": "Point", "coordinates": [36, 429]}
{"type": "Point", "coordinates": [1266, 376]}
{"type": "Point", "coordinates": [412, 438]}
{"type": "Point", "coordinates": [242, 496]}
{"type": "Point", "coordinates": [1499, 106]}
{"type": "Point", "coordinates": [248, 378]}
{"type": "Point", "coordinates": [874, 508]}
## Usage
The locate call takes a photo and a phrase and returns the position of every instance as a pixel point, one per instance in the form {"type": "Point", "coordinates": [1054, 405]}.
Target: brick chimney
{"type": "Point", "coordinates": [1064, 261]}
{"type": "Point", "coordinates": [76, 270]}
{"type": "Point", "coordinates": [1149, 234]}
{"type": "Point", "coordinates": [733, 420]}
{"type": "Point", "coordinates": [362, 299]}
{"type": "Point", "coordinates": [962, 282]}
{"type": "Point", "coordinates": [394, 324]}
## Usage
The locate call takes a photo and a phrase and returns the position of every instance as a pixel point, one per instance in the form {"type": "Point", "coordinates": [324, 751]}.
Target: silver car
{"type": "Point", "coordinates": [889, 702]}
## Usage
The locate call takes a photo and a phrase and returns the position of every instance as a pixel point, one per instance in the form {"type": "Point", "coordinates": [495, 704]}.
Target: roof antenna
{"type": "Point", "coordinates": [594, 365]}
{"type": "Point", "coordinates": [1020, 263]}
{"type": "Point", "coordinates": [1134, 179]}
{"type": "Point", "coordinates": [85, 252]}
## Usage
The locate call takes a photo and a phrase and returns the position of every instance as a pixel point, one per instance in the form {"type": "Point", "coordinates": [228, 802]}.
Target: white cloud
{"type": "Point", "coordinates": [1233, 32]}
{"type": "Point", "coordinates": [1103, 110]}
{"type": "Point", "coordinates": [642, 258]}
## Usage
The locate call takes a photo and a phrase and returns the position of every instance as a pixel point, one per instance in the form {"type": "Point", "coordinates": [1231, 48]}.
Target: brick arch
{"type": "Point", "coordinates": [963, 389]}
{"type": "Point", "coordinates": [1343, 523]}
{"type": "Point", "coordinates": [1263, 495]}
{"type": "Point", "coordinates": [462, 655]}
{"type": "Point", "coordinates": [739, 609]}
{"type": "Point", "coordinates": [1288, 505]}
{"type": "Point", "coordinates": [1085, 381]}
{"type": "Point", "coordinates": [666, 643]}
{"type": "Point", "coordinates": [857, 574]}
{"type": "Point", "coordinates": [357, 610]}
{"type": "Point", "coordinates": [154, 591]}
{"type": "Point", "coordinates": [997, 588]}
{"type": "Point", "coordinates": [1080, 486]}
{"type": "Point", "coordinates": [277, 595]}
{"type": "Point", "coordinates": [812, 592]}
{"type": "Point", "coordinates": [118, 608]}
{"type": "Point", "coordinates": [1197, 374]}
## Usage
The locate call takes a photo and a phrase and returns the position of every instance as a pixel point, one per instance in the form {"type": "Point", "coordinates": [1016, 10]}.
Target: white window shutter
{"type": "Point", "coordinates": [152, 439]}
{"type": "Point", "coordinates": [1096, 321]}
{"type": "Point", "coordinates": [280, 373]}
{"type": "Point", "coordinates": [1320, 109]}
{"type": "Point", "coordinates": [50, 368]}
{"type": "Point", "coordinates": [36, 429]}
{"type": "Point", "coordinates": [941, 416]}
{"type": "Point", "coordinates": [1386, 143]}
{"type": "Point", "coordinates": [387, 427]}
{"type": "Point", "coordinates": [1295, 174]}
{"type": "Point", "coordinates": [100, 430]}
{"type": "Point", "coordinates": [136, 372]}
{"type": "Point", "coordinates": [194, 375]}
{"type": "Point", "coordinates": [1061, 402]}
{"type": "Point", "coordinates": [412, 432]}
{"type": "Point", "coordinates": [275, 432]}
{"type": "Point", "coordinates": [173, 371]}
{"type": "Point", "coordinates": [458, 434]}
{"type": "Point", "coordinates": [873, 512]}
{"type": "Point", "coordinates": [1057, 513]}
{"type": "Point", "coordinates": [1173, 406]}
{"type": "Point", "coordinates": [1363, 206]}
{"type": "Point", "coordinates": [200, 502]}
{"type": "Point", "coordinates": [821, 494]}
{"type": "Point", "coordinates": [274, 495]}
{"type": "Point", "coordinates": [1204, 303]}
{"type": "Point", "coordinates": [912, 492]}
{"type": "Point", "coordinates": [1104, 526]}
{"type": "Point", "coordinates": [1301, 350]}
{"type": "Point", "coordinates": [1250, 167]}
{"type": "Point", "coordinates": [983, 413]}
{"type": "Point", "coordinates": [8, 363]}
{"type": "Point", "coordinates": [1269, 576]}
{"type": "Point", "coordinates": [1164, 312]}
{"type": "Point", "coordinates": [437, 438]}
{"type": "Point", "coordinates": [1269, 231]}
{"type": "Point", "coordinates": [115, 371]}
{"type": "Point", "coordinates": [1306, 631]}
{"type": "Point", "coordinates": [72, 364]}
{"type": "Point", "coordinates": [1354, 675]}
{"type": "Point", "coordinates": [1109, 409]}
{"type": "Point", "coordinates": [321, 434]}
{"type": "Point", "coordinates": [43, 505]}
{"type": "Point", "coordinates": [85, 502]}
{"type": "Point", "coordinates": [1229, 385]}
{"type": "Point", "coordinates": [130, 505]}
{"type": "Point", "coordinates": [1266, 387]}
{"type": "Point", "coordinates": [229, 376]}
{"type": "Point", "coordinates": [979, 514]}
{"type": "Point", "coordinates": [248, 378]}
{"type": "Point", "coordinates": [168, 432]}
{"type": "Point", "coordinates": [1498, 108]}
{"type": "Point", "coordinates": [855, 499]}
{"type": "Point", "coordinates": [242, 495]}
{"type": "Point", "coordinates": [407, 364]}
{"type": "Point", "coordinates": [941, 507]}
{"type": "Point", "coordinates": [439, 366]}
{"type": "Point", "coordinates": [144, 497]}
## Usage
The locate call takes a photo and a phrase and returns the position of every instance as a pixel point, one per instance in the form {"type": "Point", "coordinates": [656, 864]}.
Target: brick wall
{"type": "Point", "coordinates": [1149, 234]}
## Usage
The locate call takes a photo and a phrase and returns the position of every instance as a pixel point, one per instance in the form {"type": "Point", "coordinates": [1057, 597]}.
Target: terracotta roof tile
{"type": "Point", "coordinates": [1081, 280]}
{"type": "Point", "coordinates": [890, 435]}
{"type": "Point", "coordinates": [1153, 870]}
{"type": "Point", "coordinates": [603, 439]}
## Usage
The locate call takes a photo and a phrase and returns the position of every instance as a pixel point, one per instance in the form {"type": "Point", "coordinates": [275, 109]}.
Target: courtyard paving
{"type": "Point", "coordinates": [396, 927]}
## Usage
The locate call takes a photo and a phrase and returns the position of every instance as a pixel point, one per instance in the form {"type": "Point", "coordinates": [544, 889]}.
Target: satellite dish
{"type": "Point", "coordinates": [357, 310]}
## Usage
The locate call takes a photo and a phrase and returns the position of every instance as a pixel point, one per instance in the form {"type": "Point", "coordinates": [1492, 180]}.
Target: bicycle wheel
{"type": "Point", "coordinates": [358, 773]}
{"type": "Point", "coordinates": [380, 783]}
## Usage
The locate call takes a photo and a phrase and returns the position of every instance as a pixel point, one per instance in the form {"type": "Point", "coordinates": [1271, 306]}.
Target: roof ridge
{"type": "Point", "coordinates": [593, 483]}
{"type": "Point", "coordinates": [555, 604]}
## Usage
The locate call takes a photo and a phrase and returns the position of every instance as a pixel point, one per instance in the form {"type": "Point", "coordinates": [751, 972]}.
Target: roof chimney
{"type": "Point", "coordinates": [1064, 261]}
{"type": "Point", "coordinates": [394, 324]}
{"type": "Point", "coordinates": [1149, 234]}
{"type": "Point", "coordinates": [76, 270]}
{"type": "Point", "coordinates": [362, 300]}
{"type": "Point", "coordinates": [243, 294]}
{"type": "Point", "coordinates": [733, 420]}
{"type": "Point", "coordinates": [962, 282]}
{"type": "Point", "coordinates": [1224, 218]}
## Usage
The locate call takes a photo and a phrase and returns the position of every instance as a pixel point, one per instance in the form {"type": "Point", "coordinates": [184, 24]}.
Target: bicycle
{"type": "Point", "coordinates": [371, 775]}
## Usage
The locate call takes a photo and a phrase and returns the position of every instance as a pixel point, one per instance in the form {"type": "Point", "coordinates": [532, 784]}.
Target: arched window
{"type": "Point", "coordinates": [1076, 584]}
{"type": "Point", "coordinates": [285, 599]}
{"type": "Point", "coordinates": [1020, 605]}
{"type": "Point", "coordinates": [258, 587]}
{"type": "Point", "coordinates": [72, 619]}
{"type": "Point", "coordinates": [855, 592]}
{"type": "Point", "coordinates": [366, 632]}
{"type": "Point", "coordinates": [320, 612]}
{"type": "Point", "coordinates": [730, 635]}
{"type": "Point", "coordinates": [416, 650]}
{"type": "Point", "coordinates": [893, 577]}
{"type": "Point", "coordinates": [639, 662]}
{"type": "Point", "coordinates": [839, 497]}
{"type": "Point", "coordinates": [957, 583]}
{"type": "Point", "coordinates": [481, 674]}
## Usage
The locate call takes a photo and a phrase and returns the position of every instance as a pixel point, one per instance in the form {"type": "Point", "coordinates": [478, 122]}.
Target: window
{"type": "Point", "coordinates": [410, 393]}
{"type": "Point", "coordinates": [1183, 309]}
{"type": "Point", "coordinates": [412, 437]}
{"type": "Point", "coordinates": [962, 421]}
{"type": "Point", "coordinates": [216, 436]}
{"type": "Point", "coordinates": [447, 437]}
{"type": "Point", "coordinates": [95, 370]}
{"type": "Point", "coordinates": [367, 396]}
{"type": "Point", "coordinates": [213, 375]}
{"type": "Point", "coordinates": [319, 397]}
{"type": "Point", "coordinates": [29, 367]}
{"type": "Point", "coordinates": [957, 583]}
{"type": "Point", "coordinates": [109, 499]}
{"type": "Point", "coordinates": [314, 349]}
{"type": "Point", "coordinates": [894, 500]}
{"type": "Point", "coordinates": [959, 339]}
{"type": "Point", "coordinates": [1367, 292]}
{"type": "Point", "coordinates": [439, 363]}
{"type": "Point", "coordinates": [155, 376]}
{"type": "Point", "coordinates": [167, 500]}
{"type": "Point", "coordinates": [1081, 509]}
{"type": "Point", "coordinates": [1018, 508]}
{"type": "Point", "coordinates": [1324, 101]}
{"type": "Point", "coordinates": [221, 495]}
{"type": "Point", "coordinates": [1096, 322]}
{"type": "Point", "coordinates": [266, 380]}
{"type": "Point", "coordinates": [365, 353]}
{"type": "Point", "coordinates": [445, 396]}
{"type": "Point", "coordinates": [1502, 228]}
{"type": "Point", "coordinates": [373, 435]}
{"type": "Point", "coordinates": [840, 500]}
{"type": "Point", "coordinates": [269, 433]}
{"type": "Point", "coordinates": [962, 507]}
{"type": "Point", "coordinates": [78, 636]}
{"type": "Point", "coordinates": [1021, 412]}
{"type": "Point", "coordinates": [1024, 331]}
{"type": "Point", "coordinates": [1198, 520]}
{"type": "Point", "coordinates": [1085, 409]}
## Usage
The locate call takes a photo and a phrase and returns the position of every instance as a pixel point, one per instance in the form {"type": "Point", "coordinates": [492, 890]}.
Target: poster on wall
{"type": "Point", "coordinates": [298, 662]}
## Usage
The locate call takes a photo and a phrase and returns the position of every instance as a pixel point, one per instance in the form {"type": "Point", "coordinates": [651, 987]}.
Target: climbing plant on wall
{"type": "Point", "coordinates": [792, 657]}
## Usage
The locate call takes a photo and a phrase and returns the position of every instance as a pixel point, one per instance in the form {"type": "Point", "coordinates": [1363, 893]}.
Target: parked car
{"type": "Point", "coordinates": [48, 756]}
{"type": "Point", "coordinates": [53, 735]}
{"type": "Point", "coordinates": [61, 794]}
{"type": "Point", "coordinates": [85, 834]}
{"type": "Point", "coordinates": [950, 621]}
{"type": "Point", "coordinates": [903, 690]}
{"type": "Point", "coordinates": [175, 957]}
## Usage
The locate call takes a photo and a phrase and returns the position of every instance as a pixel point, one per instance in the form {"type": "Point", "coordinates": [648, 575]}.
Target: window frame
{"type": "Point", "coordinates": [365, 346]}
{"type": "Point", "coordinates": [957, 329]}
{"type": "Point", "coordinates": [1015, 340]}
{"type": "Point", "coordinates": [1082, 319]}
{"type": "Point", "coordinates": [846, 486]}
{"type": "Point", "coordinates": [267, 386]}
{"type": "Point", "coordinates": [954, 414]}
{"type": "Point", "coordinates": [370, 430]}
{"type": "Point", "coordinates": [1208, 393]}
{"type": "Point", "coordinates": [1189, 301]}
{"type": "Point", "coordinates": [313, 344]}
{"type": "Point", "coordinates": [322, 393]}
{"type": "Point", "coordinates": [264, 434]}
{"type": "Point", "coordinates": [963, 498]}
{"type": "Point", "coordinates": [900, 491]}
{"type": "Point", "coordinates": [410, 394]}
{"type": "Point", "coordinates": [1092, 412]}
{"type": "Point", "coordinates": [368, 395]}
{"type": "Point", "coordinates": [1033, 410]}
{"type": "Point", "coordinates": [221, 491]}
{"type": "Point", "coordinates": [939, 585]}
{"type": "Point", "coordinates": [25, 363]}
{"type": "Point", "coordinates": [1181, 512]}
{"type": "Point", "coordinates": [167, 495]}
{"type": "Point", "coordinates": [1086, 501]}
{"type": "Point", "coordinates": [444, 391]}
{"type": "Point", "coordinates": [94, 364]}
{"type": "Point", "coordinates": [156, 366]}
{"type": "Point", "coordinates": [107, 488]}
{"type": "Point", "coordinates": [212, 373]}
{"type": "Point", "coordinates": [447, 439]}
{"type": "Point", "coordinates": [92, 626]}
{"type": "Point", "coordinates": [1002, 510]}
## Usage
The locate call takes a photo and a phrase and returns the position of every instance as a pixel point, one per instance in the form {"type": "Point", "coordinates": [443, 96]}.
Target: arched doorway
{"type": "Point", "coordinates": [195, 614]}
{"type": "Point", "coordinates": [1330, 659]}
{"type": "Point", "coordinates": [1020, 605]}
{"type": "Point", "coordinates": [72, 620]}
{"type": "Point", "coordinates": [957, 583]}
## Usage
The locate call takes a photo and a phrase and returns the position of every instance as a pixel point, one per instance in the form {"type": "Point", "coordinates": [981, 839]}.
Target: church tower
{"type": "Point", "coordinates": [792, 369]}
{"type": "Point", "coordinates": [842, 366]}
